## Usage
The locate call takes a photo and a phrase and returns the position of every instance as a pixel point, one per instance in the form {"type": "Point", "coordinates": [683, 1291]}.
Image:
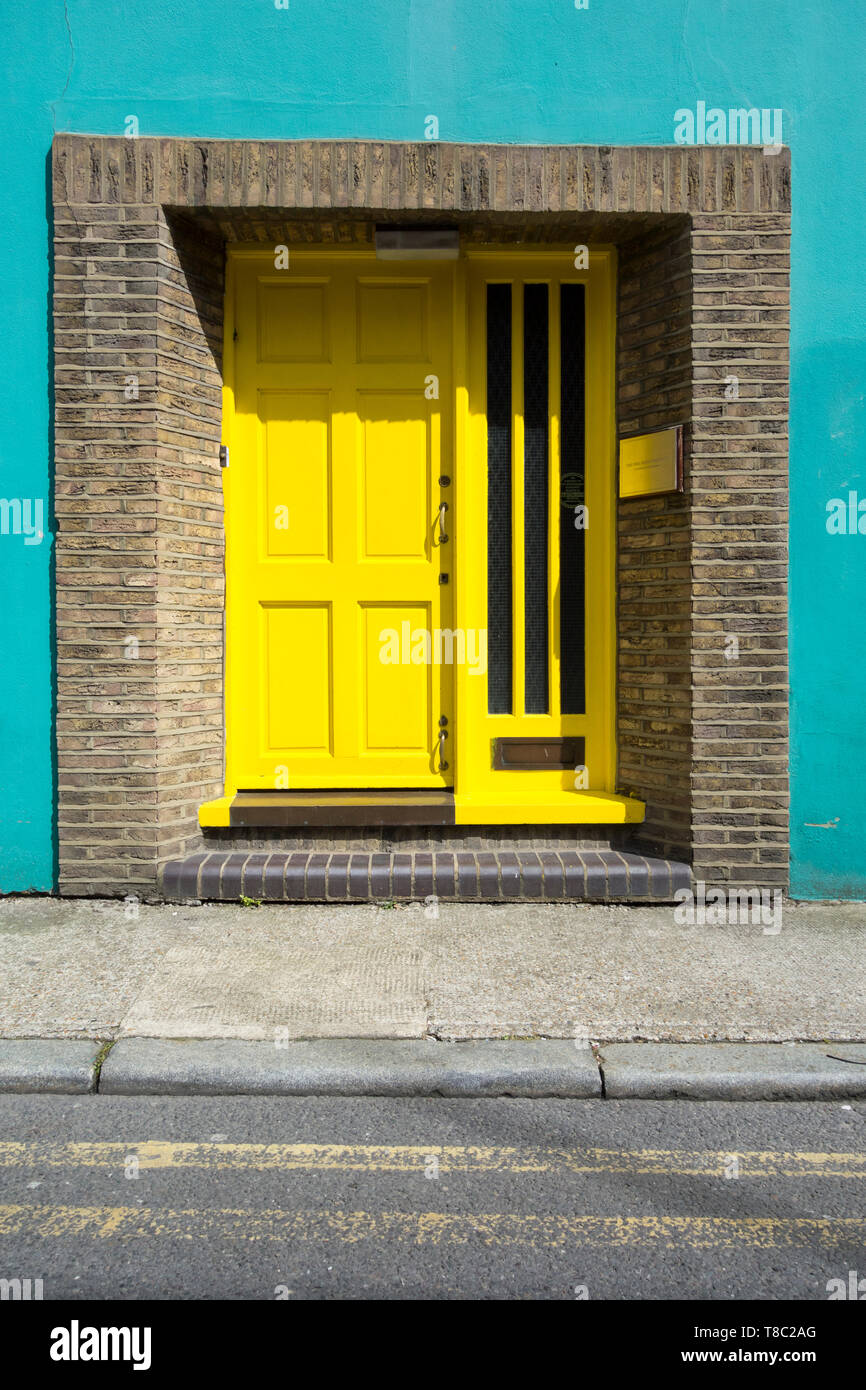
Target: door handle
{"type": "Point", "coordinates": [443, 507]}
{"type": "Point", "coordinates": [443, 734]}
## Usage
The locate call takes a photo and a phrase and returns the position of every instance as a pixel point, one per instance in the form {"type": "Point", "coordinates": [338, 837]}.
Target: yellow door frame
{"type": "Point", "coordinates": [483, 795]}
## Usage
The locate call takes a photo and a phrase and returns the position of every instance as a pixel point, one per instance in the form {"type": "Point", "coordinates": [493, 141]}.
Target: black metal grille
{"type": "Point", "coordinates": [535, 495]}
{"type": "Point", "coordinates": [572, 545]}
{"type": "Point", "coordinates": [499, 619]}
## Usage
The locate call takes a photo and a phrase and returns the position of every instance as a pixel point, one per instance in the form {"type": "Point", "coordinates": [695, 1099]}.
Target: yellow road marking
{"type": "Point", "coordinates": [404, 1158]}
{"type": "Point", "coordinates": [435, 1228]}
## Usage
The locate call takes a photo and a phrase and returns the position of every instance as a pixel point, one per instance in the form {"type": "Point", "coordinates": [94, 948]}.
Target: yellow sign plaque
{"type": "Point", "coordinates": [650, 463]}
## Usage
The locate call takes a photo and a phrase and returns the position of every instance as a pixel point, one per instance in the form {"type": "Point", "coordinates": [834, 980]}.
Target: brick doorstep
{"type": "Point", "coordinates": [458, 876]}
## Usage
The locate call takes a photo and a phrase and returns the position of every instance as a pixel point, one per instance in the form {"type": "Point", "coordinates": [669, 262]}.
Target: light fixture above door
{"type": "Point", "coordinates": [417, 243]}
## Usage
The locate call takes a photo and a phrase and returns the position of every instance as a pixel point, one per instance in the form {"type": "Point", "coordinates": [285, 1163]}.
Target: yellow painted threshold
{"type": "Point", "coordinates": [215, 814]}
{"type": "Point", "coordinates": [580, 808]}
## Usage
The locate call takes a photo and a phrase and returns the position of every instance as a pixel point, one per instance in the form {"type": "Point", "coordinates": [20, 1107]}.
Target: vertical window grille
{"type": "Point", "coordinates": [499, 617]}
{"type": "Point", "coordinates": [536, 484]}
{"type": "Point", "coordinates": [572, 544]}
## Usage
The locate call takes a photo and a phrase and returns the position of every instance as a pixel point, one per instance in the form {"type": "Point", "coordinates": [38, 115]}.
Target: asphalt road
{"type": "Point", "coordinates": [247, 1198]}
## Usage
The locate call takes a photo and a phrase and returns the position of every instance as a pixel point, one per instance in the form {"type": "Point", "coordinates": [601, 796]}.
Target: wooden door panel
{"type": "Point", "coordinates": [396, 711]}
{"type": "Point", "coordinates": [296, 448]}
{"type": "Point", "coordinates": [297, 714]}
{"type": "Point", "coordinates": [332, 505]}
{"type": "Point", "coordinates": [294, 319]}
{"type": "Point", "coordinates": [393, 320]}
{"type": "Point", "coordinates": [394, 476]}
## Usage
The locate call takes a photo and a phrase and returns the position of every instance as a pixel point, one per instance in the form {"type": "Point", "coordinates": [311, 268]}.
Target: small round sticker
{"type": "Point", "coordinates": [571, 490]}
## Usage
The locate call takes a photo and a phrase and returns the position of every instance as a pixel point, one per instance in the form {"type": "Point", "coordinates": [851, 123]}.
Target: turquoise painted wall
{"type": "Point", "coordinates": [499, 70]}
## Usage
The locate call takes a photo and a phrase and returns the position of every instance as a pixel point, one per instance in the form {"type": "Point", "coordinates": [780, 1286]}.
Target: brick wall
{"type": "Point", "coordinates": [702, 719]}
{"type": "Point", "coordinates": [139, 234]}
{"type": "Point", "coordinates": [105, 484]}
{"type": "Point", "coordinates": [654, 371]}
{"type": "Point", "coordinates": [189, 537]}
{"type": "Point", "coordinates": [138, 506]}
{"type": "Point", "coordinates": [739, 501]}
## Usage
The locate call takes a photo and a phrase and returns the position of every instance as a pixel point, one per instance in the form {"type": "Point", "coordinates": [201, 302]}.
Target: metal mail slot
{"type": "Point", "coordinates": [530, 754]}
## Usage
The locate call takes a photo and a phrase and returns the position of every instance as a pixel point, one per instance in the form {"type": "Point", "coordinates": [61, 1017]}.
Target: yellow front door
{"type": "Point", "coordinates": [340, 523]}
{"type": "Point", "coordinates": [420, 537]}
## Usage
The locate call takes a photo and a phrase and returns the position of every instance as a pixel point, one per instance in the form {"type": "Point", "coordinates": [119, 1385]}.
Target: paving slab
{"type": "Point", "coordinates": [454, 971]}
{"type": "Point", "coordinates": [38, 1064]}
{"type": "Point", "coordinates": [731, 1071]}
{"type": "Point", "coordinates": [350, 1067]}
{"type": "Point", "coordinates": [271, 989]}
{"type": "Point", "coordinates": [71, 968]}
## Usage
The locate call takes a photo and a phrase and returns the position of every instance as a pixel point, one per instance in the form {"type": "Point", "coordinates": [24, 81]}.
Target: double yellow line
{"type": "Point", "coordinates": [434, 1228]}
{"type": "Point", "coordinates": [423, 1228]}
{"type": "Point", "coordinates": [407, 1158]}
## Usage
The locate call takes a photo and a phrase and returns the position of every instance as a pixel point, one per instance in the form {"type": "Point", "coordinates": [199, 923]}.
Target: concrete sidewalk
{"type": "Point", "coordinates": [106, 970]}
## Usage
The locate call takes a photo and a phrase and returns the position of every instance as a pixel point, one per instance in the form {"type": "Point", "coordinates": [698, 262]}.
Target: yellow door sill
{"type": "Point", "coordinates": [581, 808]}
{"type": "Point", "coordinates": [214, 815]}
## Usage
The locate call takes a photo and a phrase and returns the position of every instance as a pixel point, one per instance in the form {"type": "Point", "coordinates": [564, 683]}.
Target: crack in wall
{"type": "Point", "coordinates": [55, 104]}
